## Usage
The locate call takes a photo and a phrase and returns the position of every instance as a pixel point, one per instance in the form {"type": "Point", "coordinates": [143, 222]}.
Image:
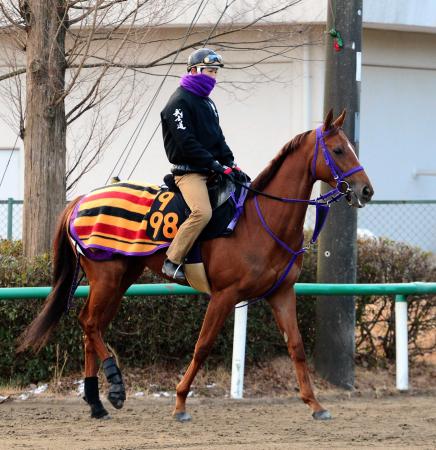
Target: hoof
{"type": "Point", "coordinates": [105, 417]}
{"type": "Point", "coordinates": [182, 417]}
{"type": "Point", "coordinates": [322, 415]}
{"type": "Point", "coordinates": [98, 411]}
{"type": "Point", "coordinates": [117, 403]}
{"type": "Point", "coordinates": [117, 395]}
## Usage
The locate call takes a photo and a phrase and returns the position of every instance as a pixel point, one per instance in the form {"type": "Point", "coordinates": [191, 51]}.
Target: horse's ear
{"type": "Point", "coordinates": [340, 120]}
{"type": "Point", "coordinates": [328, 120]}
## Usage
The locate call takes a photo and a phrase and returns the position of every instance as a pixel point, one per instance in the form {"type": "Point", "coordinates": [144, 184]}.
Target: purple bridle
{"type": "Point", "coordinates": [322, 204]}
{"type": "Point", "coordinates": [337, 173]}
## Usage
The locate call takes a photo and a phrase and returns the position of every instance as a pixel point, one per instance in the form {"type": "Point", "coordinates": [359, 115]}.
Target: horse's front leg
{"type": "Point", "coordinates": [217, 311]}
{"type": "Point", "coordinates": [283, 303]}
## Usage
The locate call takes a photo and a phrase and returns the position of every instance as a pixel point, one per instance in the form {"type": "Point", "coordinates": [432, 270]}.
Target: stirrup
{"type": "Point", "coordinates": [179, 269]}
{"type": "Point", "coordinates": [174, 271]}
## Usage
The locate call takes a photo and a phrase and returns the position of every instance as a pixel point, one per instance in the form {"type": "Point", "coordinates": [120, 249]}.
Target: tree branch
{"type": "Point", "coordinates": [12, 74]}
{"type": "Point", "coordinates": [11, 20]}
{"type": "Point", "coordinates": [91, 9]}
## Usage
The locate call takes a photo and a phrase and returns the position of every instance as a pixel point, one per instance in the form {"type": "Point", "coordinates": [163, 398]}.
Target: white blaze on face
{"type": "Point", "coordinates": [349, 145]}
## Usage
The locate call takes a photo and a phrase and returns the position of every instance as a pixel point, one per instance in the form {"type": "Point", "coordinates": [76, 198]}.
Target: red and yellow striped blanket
{"type": "Point", "coordinates": [112, 219]}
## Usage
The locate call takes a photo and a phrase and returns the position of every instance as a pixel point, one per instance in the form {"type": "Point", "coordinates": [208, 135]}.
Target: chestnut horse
{"type": "Point", "coordinates": [237, 267]}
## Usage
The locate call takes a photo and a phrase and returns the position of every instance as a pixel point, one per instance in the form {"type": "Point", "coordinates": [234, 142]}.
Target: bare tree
{"type": "Point", "coordinates": [66, 59]}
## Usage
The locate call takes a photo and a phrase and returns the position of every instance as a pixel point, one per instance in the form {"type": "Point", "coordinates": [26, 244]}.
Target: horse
{"type": "Point", "coordinates": [263, 270]}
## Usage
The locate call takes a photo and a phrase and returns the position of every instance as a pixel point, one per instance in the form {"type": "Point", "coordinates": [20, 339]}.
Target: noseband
{"type": "Point", "coordinates": [322, 204]}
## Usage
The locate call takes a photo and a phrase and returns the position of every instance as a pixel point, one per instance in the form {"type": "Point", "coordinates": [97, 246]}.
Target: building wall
{"type": "Point", "coordinates": [398, 113]}
{"type": "Point", "coordinates": [398, 116]}
{"type": "Point", "coordinates": [410, 15]}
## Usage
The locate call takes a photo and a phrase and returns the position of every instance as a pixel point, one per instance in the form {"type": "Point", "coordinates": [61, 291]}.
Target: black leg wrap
{"type": "Point", "coordinates": [93, 399]}
{"type": "Point", "coordinates": [117, 392]}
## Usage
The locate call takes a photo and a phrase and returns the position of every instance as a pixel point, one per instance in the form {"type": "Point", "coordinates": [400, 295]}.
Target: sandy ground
{"type": "Point", "coordinates": [405, 420]}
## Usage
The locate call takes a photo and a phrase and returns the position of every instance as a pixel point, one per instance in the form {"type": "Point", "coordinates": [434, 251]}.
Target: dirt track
{"type": "Point", "coordinates": [397, 421]}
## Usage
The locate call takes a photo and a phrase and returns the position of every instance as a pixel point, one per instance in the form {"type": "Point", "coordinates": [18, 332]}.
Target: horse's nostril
{"type": "Point", "coordinates": [367, 192]}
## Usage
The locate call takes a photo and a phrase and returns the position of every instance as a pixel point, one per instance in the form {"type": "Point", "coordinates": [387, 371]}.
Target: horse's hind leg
{"type": "Point", "coordinates": [104, 298]}
{"type": "Point", "coordinates": [133, 268]}
{"type": "Point", "coordinates": [91, 321]}
{"type": "Point", "coordinates": [91, 396]}
{"type": "Point", "coordinates": [283, 303]}
{"type": "Point", "coordinates": [216, 314]}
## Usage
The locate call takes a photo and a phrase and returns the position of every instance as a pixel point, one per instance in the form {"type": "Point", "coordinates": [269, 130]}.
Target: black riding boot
{"type": "Point", "coordinates": [117, 392]}
{"type": "Point", "coordinates": [93, 399]}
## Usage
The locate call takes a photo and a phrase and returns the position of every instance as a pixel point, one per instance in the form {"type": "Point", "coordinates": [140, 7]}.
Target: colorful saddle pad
{"type": "Point", "coordinates": [139, 219]}
{"type": "Point", "coordinates": [113, 219]}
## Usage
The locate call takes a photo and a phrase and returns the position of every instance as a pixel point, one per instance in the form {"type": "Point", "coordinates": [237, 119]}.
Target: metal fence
{"type": "Point", "coordinates": [11, 214]}
{"type": "Point", "coordinates": [400, 290]}
{"type": "Point", "coordinates": [411, 221]}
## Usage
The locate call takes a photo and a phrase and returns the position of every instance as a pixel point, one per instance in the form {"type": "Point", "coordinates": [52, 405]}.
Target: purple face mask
{"type": "Point", "coordinates": [200, 84]}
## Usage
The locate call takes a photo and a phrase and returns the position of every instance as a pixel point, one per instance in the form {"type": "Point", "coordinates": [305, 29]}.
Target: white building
{"type": "Point", "coordinates": [398, 102]}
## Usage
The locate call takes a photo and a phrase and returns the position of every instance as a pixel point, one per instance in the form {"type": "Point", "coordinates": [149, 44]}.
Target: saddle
{"type": "Point", "coordinates": [219, 187]}
{"type": "Point", "coordinates": [169, 210]}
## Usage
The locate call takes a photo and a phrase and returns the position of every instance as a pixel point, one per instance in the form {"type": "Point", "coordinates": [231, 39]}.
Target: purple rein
{"type": "Point", "coordinates": [322, 204]}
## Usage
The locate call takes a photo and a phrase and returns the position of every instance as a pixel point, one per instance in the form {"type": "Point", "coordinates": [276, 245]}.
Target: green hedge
{"type": "Point", "coordinates": [164, 329]}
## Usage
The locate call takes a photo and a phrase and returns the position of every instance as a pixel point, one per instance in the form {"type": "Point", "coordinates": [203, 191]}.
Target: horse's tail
{"type": "Point", "coordinates": [37, 334]}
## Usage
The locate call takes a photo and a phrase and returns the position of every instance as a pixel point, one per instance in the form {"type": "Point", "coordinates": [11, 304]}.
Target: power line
{"type": "Point", "coordinates": [145, 148]}
{"type": "Point", "coordinates": [148, 110]}
{"type": "Point", "coordinates": [141, 123]}
{"type": "Point", "coordinates": [204, 45]}
{"type": "Point", "coordinates": [9, 160]}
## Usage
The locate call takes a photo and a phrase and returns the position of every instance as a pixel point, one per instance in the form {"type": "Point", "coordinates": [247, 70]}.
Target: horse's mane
{"type": "Point", "coordinates": [267, 174]}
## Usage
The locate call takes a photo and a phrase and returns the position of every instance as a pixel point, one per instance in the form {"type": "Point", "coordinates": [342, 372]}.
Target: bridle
{"type": "Point", "coordinates": [329, 197]}
{"type": "Point", "coordinates": [322, 204]}
{"type": "Point", "coordinates": [337, 173]}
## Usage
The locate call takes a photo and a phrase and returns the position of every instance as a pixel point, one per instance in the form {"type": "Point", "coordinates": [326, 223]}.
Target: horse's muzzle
{"type": "Point", "coordinates": [359, 195]}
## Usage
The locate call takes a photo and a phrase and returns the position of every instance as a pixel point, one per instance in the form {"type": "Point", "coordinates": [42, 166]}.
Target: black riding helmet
{"type": "Point", "coordinates": [204, 57]}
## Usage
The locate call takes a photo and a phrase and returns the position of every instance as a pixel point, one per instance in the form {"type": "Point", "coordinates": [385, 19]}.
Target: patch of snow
{"type": "Point", "coordinates": [364, 233]}
{"type": "Point", "coordinates": [162, 394]}
{"type": "Point", "coordinates": [40, 389]}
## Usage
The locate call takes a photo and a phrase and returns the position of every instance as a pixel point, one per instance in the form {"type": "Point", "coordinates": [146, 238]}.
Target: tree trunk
{"type": "Point", "coordinates": [45, 125]}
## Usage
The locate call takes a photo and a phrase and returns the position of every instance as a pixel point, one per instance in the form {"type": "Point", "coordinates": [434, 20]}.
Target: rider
{"type": "Point", "coordinates": [195, 145]}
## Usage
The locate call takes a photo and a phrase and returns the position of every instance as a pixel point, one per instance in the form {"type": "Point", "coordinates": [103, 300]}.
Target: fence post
{"type": "Point", "coordinates": [401, 343]}
{"type": "Point", "coordinates": [238, 359]}
{"type": "Point", "coordinates": [10, 217]}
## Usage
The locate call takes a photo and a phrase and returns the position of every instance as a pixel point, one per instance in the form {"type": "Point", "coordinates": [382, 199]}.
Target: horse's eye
{"type": "Point", "coordinates": [338, 151]}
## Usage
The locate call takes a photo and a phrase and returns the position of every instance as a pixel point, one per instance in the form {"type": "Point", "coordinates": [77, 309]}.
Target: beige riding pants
{"type": "Point", "coordinates": [194, 191]}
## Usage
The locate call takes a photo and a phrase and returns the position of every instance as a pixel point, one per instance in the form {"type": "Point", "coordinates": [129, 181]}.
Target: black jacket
{"type": "Point", "coordinates": [192, 133]}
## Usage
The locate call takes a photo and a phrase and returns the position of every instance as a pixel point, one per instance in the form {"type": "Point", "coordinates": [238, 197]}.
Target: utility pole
{"type": "Point", "coordinates": [337, 250]}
